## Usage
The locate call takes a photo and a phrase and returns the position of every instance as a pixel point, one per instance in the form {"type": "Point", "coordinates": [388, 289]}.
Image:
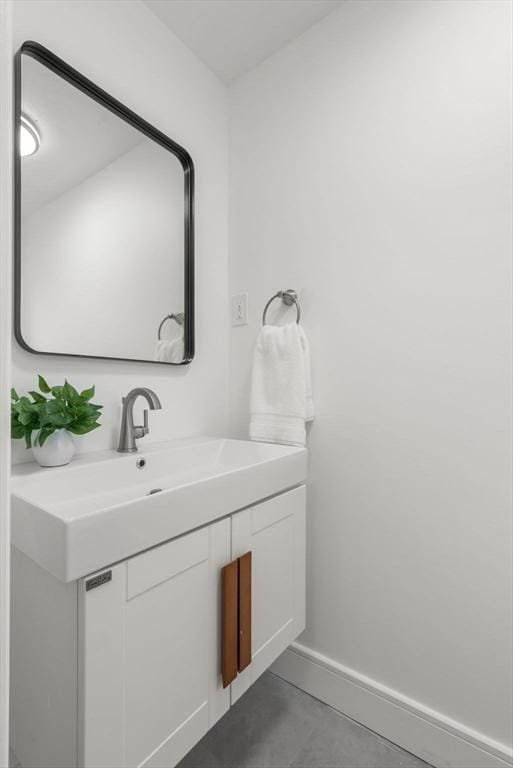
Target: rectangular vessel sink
{"type": "Point", "coordinates": [103, 507]}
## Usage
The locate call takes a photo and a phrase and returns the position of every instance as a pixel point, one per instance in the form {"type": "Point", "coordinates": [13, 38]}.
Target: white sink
{"type": "Point", "coordinates": [74, 520]}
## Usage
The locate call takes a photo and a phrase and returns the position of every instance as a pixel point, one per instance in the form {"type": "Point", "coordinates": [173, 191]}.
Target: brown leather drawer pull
{"type": "Point", "coordinates": [244, 656]}
{"type": "Point", "coordinates": [229, 622]}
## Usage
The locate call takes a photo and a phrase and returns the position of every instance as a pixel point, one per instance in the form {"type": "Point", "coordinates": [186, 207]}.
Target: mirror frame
{"type": "Point", "coordinates": [66, 72]}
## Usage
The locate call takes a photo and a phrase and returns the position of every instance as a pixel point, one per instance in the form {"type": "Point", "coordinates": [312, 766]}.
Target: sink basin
{"type": "Point", "coordinates": [105, 507]}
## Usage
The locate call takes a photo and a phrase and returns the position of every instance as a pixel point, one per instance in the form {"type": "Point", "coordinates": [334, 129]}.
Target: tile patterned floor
{"type": "Point", "coordinates": [275, 725]}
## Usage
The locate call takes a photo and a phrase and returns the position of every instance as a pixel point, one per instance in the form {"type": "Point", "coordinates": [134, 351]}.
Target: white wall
{"type": "Point", "coordinates": [126, 50]}
{"type": "Point", "coordinates": [5, 365]}
{"type": "Point", "coordinates": [109, 251]}
{"type": "Point", "coordinates": [370, 170]}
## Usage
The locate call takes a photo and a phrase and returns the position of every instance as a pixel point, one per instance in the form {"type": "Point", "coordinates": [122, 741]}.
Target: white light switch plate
{"type": "Point", "coordinates": [240, 309]}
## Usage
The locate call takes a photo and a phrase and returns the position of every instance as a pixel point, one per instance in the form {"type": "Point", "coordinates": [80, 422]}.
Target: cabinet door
{"type": "Point", "coordinates": [150, 682]}
{"type": "Point", "coordinates": [274, 533]}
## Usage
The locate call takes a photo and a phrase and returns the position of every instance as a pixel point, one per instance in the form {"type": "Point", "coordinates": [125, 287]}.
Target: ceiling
{"type": "Point", "coordinates": [233, 36]}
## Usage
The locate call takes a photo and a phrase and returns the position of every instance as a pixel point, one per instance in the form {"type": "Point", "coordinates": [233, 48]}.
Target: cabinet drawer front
{"type": "Point", "coordinates": [162, 563]}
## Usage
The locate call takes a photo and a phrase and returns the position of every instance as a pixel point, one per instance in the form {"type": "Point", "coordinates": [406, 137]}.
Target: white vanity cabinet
{"type": "Point", "coordinates": [274, 533]}
{"type": "Point", "coordinates": [147, 633]}
{"type": "Point", "coordinates": [148, 654]}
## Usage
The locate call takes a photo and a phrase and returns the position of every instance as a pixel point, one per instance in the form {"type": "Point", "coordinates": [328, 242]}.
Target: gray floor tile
{"type": "Point", "coordinates": [200, 757]}
{"type": "Point", "coordinates": [275, 725]}
{"type": "Point", "coordinates": [265, 729]}
{"type": "Point", "coordinates": [341, 743]}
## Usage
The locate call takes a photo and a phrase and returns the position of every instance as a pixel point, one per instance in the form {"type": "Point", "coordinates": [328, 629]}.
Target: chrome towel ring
{"type": "Point", "coordinates": [289, 297]}
{"type": "Point", "coordinates": [178, 318]}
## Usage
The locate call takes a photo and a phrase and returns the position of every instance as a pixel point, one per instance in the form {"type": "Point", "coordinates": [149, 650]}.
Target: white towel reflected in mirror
{"type": "Point", "coordinates": [169, 351]}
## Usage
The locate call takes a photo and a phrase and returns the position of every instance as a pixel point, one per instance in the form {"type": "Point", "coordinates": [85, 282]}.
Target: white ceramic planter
{"type": "Point", "coordinates": [57, 450]}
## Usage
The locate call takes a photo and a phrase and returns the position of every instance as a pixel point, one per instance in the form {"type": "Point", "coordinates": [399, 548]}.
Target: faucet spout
{"type": "Point", "coordinates": [150, 396]}
{"type": "Point", "coordinates": [129, 432]}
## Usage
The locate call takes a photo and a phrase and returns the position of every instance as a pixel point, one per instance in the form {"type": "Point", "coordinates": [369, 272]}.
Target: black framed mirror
{"type": "Point", "coordinates": [104, 222]}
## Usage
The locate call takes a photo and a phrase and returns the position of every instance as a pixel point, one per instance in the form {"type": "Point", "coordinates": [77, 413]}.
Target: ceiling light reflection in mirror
{"type": "Point", "coordinates": [30, 138]}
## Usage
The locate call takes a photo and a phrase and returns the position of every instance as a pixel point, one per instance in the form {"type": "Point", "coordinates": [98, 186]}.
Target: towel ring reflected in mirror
{"type": "Point", "coordinates": [288, 297]}
{"type": "Point", "coordinates": [178, 318]}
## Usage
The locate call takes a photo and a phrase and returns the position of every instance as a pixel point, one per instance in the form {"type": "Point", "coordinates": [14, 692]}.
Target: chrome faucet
{"type": "Point", "coordinates": [130, 433]}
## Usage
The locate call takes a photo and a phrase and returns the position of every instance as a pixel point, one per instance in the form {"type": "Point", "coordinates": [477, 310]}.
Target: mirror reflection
{"type": "Point", "coordinates": [101, 229]}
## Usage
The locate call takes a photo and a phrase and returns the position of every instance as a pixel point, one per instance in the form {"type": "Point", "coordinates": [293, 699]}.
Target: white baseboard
{"type": "Point", "coordinates": [435, 738]}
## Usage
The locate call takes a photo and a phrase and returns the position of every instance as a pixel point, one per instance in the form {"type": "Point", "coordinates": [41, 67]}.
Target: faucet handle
{"type": "Point", "coordinates": [144, 430]}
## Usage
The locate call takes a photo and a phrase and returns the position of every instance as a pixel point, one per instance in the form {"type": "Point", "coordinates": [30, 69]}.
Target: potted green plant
{"type": "Point", "coordinates": [55, 414]}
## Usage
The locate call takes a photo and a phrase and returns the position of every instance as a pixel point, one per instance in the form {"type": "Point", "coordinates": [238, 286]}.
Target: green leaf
{"type": "Point", "coordinates": [55, 413]}
{"type": "Point", "coordinates": [70, 393]}
{"type": "Point", "coordinates": [17, 431]}
{"type": "Point", "coordinates": [37, 397]}
{"type": "Point", "coordinates": [43, 386]}
{"type": "Point", "coordinates": [44, 435]}
{"type": "Point", "coordinates": [26, 411]}
{"type": "Point", "coordinates": [82, 429]}
{"type": "Point", "coordinates": [14, 394]}
{"type": "Point", "coordinates": [87, 394]}
{"type": "Point", "coordinates": [28, 438]}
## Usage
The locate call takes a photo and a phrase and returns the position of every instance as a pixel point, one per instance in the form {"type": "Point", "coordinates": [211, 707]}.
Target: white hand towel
{"type": "Point", "coordinates": [169, 351]}
{"type": "Point", "coordinates": [309, 408]}
{"type": "Point", "coordinates": [281, 385]}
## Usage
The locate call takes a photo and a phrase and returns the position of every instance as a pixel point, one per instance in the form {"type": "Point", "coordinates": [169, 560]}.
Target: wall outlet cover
{"type": "Point", "coordinates": [240, 309]}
